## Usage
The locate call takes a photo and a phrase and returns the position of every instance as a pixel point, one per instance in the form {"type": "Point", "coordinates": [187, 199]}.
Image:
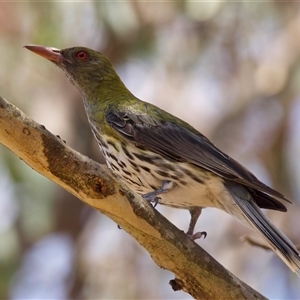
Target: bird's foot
{"type": "Point", "coordinates": [195, 214]}
{"type": "Point", "coordinates": [197, 235]}
{"type": "Point", "coordinates": [152, 196]}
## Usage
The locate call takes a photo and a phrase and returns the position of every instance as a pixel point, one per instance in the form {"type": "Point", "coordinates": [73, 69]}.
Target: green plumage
{"type": "Point", "coordinates": [163, 158]}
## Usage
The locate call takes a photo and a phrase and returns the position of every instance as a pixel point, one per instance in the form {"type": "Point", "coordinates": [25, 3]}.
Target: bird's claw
{"type": "Point", "coordinates": [155, 201]}
{"type": "Point", "coordinates": [149, 198]}
{"type": "Point", "coordinates": [152, 196]}
{"type": "Point", "coordinates": [197, 235]}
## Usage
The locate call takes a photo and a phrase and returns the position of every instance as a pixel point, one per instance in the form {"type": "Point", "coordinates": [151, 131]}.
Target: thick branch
{"type": "Point", "coordinates": [196, 271]}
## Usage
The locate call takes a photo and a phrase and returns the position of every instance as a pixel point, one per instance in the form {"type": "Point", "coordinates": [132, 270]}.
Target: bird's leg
{"type": "Point", "coordinates": [194, 211]}
{"type": "Point", "coordinates": [195, 214]}
{"type": "Point", "coordinates": [152, 196]}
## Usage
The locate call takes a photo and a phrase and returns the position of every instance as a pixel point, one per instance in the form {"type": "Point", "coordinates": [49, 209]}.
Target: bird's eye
{"type": "Point", "coordinates": [82, 55]}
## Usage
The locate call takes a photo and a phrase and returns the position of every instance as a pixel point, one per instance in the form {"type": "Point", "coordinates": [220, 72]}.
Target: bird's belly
{"type": "Point", "coordinates": [145, 172]}
{"type": "Point", "coordinates": [192, 194]}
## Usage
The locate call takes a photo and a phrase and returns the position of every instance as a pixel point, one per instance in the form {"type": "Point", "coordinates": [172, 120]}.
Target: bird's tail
{"type": "Point", "coordinates": [277, 241]}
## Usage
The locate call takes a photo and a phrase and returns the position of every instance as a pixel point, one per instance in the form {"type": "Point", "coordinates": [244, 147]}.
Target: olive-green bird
{"type": "Point", "coordinates": [163, 158]}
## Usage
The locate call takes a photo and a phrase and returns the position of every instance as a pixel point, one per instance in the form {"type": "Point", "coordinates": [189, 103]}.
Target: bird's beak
{"type": "Point", "coordinates": [50, 53]}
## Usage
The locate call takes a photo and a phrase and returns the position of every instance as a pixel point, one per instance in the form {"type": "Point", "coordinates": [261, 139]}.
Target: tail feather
{"type": "Point", "coordinates": [277, 240]}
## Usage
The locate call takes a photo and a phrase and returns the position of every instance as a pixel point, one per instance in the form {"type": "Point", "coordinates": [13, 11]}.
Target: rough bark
{"type": "Point", "coordinates": [196, 272]}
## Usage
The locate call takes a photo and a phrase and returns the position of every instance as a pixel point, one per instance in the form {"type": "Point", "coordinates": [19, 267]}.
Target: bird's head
{"type": "Point", "coordinates": [85, 67]}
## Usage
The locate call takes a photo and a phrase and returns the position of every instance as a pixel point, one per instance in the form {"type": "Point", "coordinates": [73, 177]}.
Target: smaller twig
{"type": "Point", "coordinates": [254, 242]}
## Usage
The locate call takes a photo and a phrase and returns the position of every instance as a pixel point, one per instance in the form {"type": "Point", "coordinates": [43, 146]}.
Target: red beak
{"type": "Point", "coordinates": [52, 54]}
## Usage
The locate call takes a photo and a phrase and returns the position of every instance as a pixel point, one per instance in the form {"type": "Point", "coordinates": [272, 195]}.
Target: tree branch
{"type": "Point", "coordinates": [196, 271]}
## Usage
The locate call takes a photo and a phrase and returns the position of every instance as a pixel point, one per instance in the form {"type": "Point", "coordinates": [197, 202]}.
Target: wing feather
{"type": "Point", "coordinates": [185, 144]}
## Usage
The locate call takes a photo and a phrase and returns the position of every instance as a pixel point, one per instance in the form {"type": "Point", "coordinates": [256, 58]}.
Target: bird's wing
{"type": "Point", "coordinates": [185, 144]}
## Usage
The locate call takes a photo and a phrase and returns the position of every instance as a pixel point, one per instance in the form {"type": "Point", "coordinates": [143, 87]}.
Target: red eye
{"type": "Point", "coordinates": [82, 55]}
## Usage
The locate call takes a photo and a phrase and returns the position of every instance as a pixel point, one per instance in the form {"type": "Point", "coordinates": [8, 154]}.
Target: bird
{"type": "Point", "coordinates": [163, 158]}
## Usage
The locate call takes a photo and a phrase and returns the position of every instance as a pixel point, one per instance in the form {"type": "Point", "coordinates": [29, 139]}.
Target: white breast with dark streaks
{"type": "Point", "coordinates": [144, 172]}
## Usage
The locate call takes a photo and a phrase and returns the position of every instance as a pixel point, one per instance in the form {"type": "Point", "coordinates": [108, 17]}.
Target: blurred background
{"type": "Point", "coordinates": [232, 70]}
